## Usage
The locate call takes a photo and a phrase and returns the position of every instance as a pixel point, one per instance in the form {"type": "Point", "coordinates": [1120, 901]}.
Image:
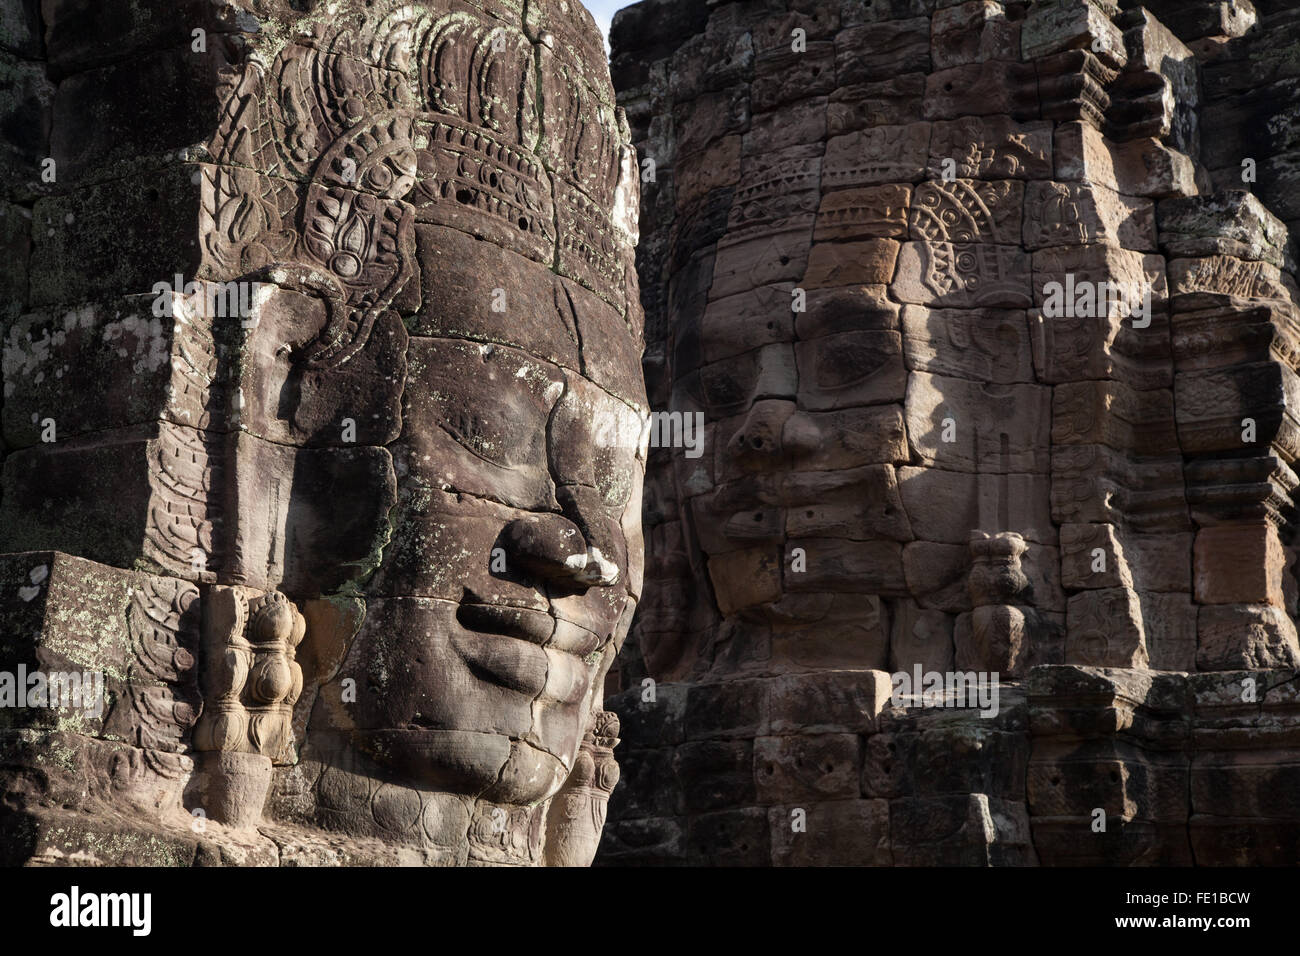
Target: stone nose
{"type": "Point", "coordinates": [774, 432]}
{"type": "Point", "coordinates": [758, 439]}
{"type": "Point", "coordinates": [801, 437]}
{"type": "Point", "coordinates": [549, 546]}
{"type": "Point", "coordinates": [553, 548]}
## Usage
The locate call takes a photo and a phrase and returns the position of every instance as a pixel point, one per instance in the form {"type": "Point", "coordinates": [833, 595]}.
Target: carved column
{"type": "Point", "coordinates": [250, 683]}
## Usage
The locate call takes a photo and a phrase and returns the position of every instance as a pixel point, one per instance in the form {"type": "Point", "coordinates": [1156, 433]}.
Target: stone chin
{"type": "Point", "coordinates": [491, 767]}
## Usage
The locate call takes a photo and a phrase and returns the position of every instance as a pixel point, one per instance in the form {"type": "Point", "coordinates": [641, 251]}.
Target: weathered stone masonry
{"type": "Point", "coordinates": [355, 559]}
{"type": "Point", "coordinates": [1098, 507]}
{"type": "Point", "coordinates": [341, 536]}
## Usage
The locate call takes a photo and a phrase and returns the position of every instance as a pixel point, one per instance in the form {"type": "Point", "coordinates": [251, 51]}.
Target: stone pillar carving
{"type": "Point", "coordinates": [250, 682]}
{"type": "Point", "coordinates": [993, 637]}
{"type": "Point", "coordinates": [577, 813]}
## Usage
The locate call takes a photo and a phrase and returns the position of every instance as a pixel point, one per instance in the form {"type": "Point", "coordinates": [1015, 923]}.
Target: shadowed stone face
{"type": "Point", "coordinates": [494, 620]}
{"type": "Point", "coordinates": [804, 439]}
{"type": "Point", "coordinates": [951, 284]}
{"type": "Point", "coordinates": [859, 278]}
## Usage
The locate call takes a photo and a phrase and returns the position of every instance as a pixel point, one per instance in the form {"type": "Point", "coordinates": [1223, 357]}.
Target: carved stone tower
{"type": "Point", "coordinates": [992, 316]}
{"type": "Point", "coordinates": [320, 310]}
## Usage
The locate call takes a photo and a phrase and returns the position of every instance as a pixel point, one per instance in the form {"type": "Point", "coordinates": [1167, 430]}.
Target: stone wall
{"type": "Point", "coordinates": [866, 230]}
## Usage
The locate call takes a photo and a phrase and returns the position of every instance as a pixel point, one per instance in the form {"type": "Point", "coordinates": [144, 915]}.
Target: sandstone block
{"type": "Point", "coordinates": [968, 426]}
{"type": "Point", "coordinates": [721, 773]}
{"type": "Point", "coordinates": [968, 210]}
{"type": "Point", "coordinates": [1144, 167]}
{"type": "Point", "coordinates": [1239, 636]}
{"type": "Point", "coordinates": [970, 830]}
{"type": "Point", "coordinates": [876, 51]}
{"type": "Point", "coordinates": [1239, 564]}
{"type": "Point", "coordinates": [1070, 214]}
{"type": "Point", "coordinates": [806, 768]}
{"type": "Point", "coordinates": [851, 263]}
{"type": "Point", "coordinates": [923, 637]}
{"type": "Point", "coordinates": [945, 506]}
{"type": "Point", "coordinates": [864, 213]}
{"type": "Point", "coordinates": [881, 154]}
{"type": "Point", "coordinates": [841, 832]}
{"type": "Point", "coordinates": [973, 32]}
{"type": "Point", "coordinates": [852, 368]}
{"type": "Point", "coordinates": [993, 87]}
{"type": "Point", "coordinates": [828, 701]}
{"type": "Point", "coordinates": [983, 345]}
{"type": "Point", "coordinates": [963, 276]}
{"type": "Point", "coordinates": [1105, 629]}
{"type": "Point", "coordinates": [991, 147]}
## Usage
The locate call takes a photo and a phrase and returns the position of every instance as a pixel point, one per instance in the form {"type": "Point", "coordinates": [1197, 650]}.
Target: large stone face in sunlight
{"type": "Point", "coordinates": [307, 401]}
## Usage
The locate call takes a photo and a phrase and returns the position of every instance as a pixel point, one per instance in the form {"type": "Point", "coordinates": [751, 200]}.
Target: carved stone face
{"type": "Point", "coordinates": [801, 525]}
{"type": "Point", "coordinates": [801, 433]}
{"type": "Point", "coordinates": [858, 336]}
{"type": "Point", "coordinates": [472, 235]}
{"type": "Point", "coordinates": [509, 578]}
{"type": "Point", "coordinates": [378, 452]}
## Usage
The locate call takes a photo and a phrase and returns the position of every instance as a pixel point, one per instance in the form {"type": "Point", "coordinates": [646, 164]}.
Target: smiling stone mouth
{"type": "Point", "coordinates": [513, 647]}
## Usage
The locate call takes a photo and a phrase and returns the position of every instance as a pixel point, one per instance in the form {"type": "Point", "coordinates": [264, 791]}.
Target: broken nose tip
{"type": "Point", "coordinates": [599, 570]}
